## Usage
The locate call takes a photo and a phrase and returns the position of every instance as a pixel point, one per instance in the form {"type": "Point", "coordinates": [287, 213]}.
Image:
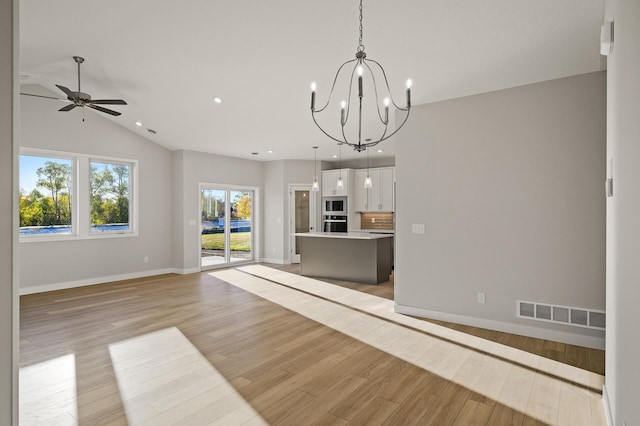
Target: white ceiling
{"type": "Point", "coordinates": [168, 59]}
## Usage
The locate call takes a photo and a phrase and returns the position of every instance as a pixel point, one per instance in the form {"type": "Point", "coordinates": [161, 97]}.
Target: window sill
{"type": "Point", "coordinates": [93, 236]}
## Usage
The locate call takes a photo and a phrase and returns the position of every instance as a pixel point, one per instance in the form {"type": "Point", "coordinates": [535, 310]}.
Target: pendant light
{"type": "Point", "coordinates": [315, 186]}
{"type": "Point", "coordinates": [365, 75]}
{"type": "Point", "coordinates": [367, 181]}
{"type": "Point", "coordinates": [340, 183]}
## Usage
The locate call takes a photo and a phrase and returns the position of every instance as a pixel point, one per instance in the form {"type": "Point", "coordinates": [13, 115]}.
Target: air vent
{"type": "Point", "coordinates": [527, 310]}
{"type": "Point", "coordinates": [560, 314]}
{"type": "Point", "coordinates": [543, 312]}
{"type": "Point", "coordinates": [579, 317]}
{"type": "Point", "coordinates": [597, 319]}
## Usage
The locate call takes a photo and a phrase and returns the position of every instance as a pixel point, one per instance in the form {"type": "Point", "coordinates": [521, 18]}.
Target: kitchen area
{"type": "Point", "coordinates": [357, 235]}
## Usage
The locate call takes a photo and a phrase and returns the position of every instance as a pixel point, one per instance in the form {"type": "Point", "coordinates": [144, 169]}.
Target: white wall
{"type": "Point", "coordinates": [198, 167]}
{"type": "Point", "coordinates": [274, 212]}
{"type": "Point", "coordinates": [74, 262]}
{"type": "Point", "coordinates": [8, 252]}
{"type": "Point", "coordinates": [278, 176]}
{"type": "Point", "coordinates": [510, 187]}
{"type": "Point", "coordinates": [623, 213]}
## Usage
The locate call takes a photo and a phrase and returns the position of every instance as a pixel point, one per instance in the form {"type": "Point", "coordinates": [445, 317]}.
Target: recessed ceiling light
{"type": "Point", "coordinates": [379, 150]}
{"type": "Point", "coordinates": [153, 132]}
{"type": "Point", "coordinates": [139, 124]}
{"type": "Point", "coordinates": [254, 153]}
{"type": "Point", "coordinates": [270, 151]}
{"type": "Point", "coordinates": [335, 155]}
{"type": "Point", "coordinates": [217, 99]}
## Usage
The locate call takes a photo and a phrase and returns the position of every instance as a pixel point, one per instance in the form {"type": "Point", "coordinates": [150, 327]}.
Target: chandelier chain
{"type": "Point", "coordinates": [360, 45]}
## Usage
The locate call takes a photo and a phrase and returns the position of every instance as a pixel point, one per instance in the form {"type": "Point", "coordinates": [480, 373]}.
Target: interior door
{"type": "Point", "coordinates": [302, 215]}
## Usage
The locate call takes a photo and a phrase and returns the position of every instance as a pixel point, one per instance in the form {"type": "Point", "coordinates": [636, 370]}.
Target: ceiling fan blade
{"type": "Point", "coordinates": [107, 102]}
{"type": "Point", "coordinates": [66, 91]}
{"type": "Point", "coordinates": [105, 110]}
{"type": "Point", "coordinates": [47, 97]}
{"type": "Point", "coordinates": [67, 108]}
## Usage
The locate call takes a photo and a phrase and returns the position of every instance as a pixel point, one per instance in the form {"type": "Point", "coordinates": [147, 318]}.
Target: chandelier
{"type": "Point", "coordinates": [358, 70]}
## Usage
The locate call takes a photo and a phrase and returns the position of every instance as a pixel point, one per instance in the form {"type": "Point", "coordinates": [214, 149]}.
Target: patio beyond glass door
{"type": "Point", "coordinates": [226, 228]}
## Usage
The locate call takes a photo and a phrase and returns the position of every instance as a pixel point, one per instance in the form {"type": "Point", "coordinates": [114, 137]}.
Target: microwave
{"type": "Point", "coordinates": [334, 206]}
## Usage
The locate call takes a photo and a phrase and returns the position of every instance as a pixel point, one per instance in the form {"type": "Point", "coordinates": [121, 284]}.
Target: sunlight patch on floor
{"type": "Point", "coordinates": [549, 391]}
{"type": "Point", "coordinates": [164, 379]}
{"type": "Point", "coordinates": [48, 393]}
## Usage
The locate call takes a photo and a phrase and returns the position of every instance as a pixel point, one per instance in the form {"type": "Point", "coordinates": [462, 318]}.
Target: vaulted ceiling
{"type": "Point", "coordinates": [168, 59]}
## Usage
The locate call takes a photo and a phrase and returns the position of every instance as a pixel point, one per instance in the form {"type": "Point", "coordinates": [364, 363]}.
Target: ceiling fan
{"type": "Point", "coordinates": [80, 99]}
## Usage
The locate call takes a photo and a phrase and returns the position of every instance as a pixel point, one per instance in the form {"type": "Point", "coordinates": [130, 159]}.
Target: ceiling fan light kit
{"type": "Point", "coordinates": [81, 99]}
{"type": "Point", "coordinates": [363, 68]}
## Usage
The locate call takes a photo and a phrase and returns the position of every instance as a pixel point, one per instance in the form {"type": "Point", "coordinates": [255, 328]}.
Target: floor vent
{"type": "Point", "coordinates": [579, 317]}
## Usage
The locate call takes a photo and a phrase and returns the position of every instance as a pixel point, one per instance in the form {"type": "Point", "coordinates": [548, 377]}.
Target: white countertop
{"type": "Point", "coordinates": [376, 231]}
{"type": "Point", "coordinates": [348, 235]}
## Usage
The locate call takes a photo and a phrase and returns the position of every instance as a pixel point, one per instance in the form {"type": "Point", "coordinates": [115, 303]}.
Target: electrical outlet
{"type": "Point", "coordinates": [373, 220]}
{"type": "Point", "coordinates": [480, 297]}
{"type": "Point", "coordinates": [146, 259]}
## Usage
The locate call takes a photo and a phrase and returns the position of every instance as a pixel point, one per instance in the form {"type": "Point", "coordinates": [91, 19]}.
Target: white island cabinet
{"type": "Point", "coordinates": [378, 198]}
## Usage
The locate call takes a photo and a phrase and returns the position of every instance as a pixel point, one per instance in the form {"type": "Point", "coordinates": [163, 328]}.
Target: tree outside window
{"type": "Point", "coordinates": [110, 185]}
{"type": "Point", "coordinates": [45, 195]}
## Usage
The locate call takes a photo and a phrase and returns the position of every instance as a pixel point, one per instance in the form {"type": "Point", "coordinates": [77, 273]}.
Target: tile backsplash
{"type": "Point", "coordinates": [376, 221]}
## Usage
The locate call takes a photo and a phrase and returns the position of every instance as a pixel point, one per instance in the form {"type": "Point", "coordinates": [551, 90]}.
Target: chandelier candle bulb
{"type": "Point", "coordinates": [343, 104]}
{"type": "Point", "coordinates": [313, 96]}
{"type": "Point", "coordinates": [386, 110]}
{"type": "Point", "coordinates": [409, 83]}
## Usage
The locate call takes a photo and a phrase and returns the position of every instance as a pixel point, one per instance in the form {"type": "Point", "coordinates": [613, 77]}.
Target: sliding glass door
{"type": "Point", "coordinates": [226, 226]}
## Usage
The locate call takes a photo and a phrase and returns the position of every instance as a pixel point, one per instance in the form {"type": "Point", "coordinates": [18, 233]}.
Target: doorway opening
{"type": "Point", "coordinates": [226, 225]}
{"type": "Point", "coordinates": [302, 214]}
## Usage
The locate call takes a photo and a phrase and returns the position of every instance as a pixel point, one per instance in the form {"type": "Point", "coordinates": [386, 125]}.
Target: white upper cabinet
{"type": "Point", "coordinates": [330, 183]}
{"type": "Point", "coordinates": [379, 198]}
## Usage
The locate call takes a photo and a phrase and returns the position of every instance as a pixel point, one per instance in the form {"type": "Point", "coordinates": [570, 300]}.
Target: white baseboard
{"type": "Point", "coordinates": [186, 271]}
{"type": "Point", "coordinates": [276, 261]}
{"type": "Point", "coordinates": [607, 406]}
{"type": "Point", "coordinates": [523, 330]}
{"type": "Point", "coordinates": [92, 281]}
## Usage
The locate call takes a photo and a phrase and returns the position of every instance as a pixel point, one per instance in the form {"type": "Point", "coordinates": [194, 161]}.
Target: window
{"type": "Point", "coordinates": [65, 195]}
{"type": "Point", "coordinates": [46, 201]}
{"type": "Point", "coordinates": [110, 185]}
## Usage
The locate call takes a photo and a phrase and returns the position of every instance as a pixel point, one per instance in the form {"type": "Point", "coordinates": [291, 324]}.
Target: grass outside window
{"type": "Point", "coordinates": [239, 241]}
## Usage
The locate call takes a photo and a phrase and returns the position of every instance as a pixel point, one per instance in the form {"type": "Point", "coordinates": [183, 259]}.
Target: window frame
{"type": "Point", "coordinates": [81, 199]}
{"type": "Point", "coordinates": [132, 181]}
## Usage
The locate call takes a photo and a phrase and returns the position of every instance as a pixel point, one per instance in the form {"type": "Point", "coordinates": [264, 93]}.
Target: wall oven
{"type": "Point", "coordinates": [334, 223]}
{"type": "Point", "coordinates": [336, 206]}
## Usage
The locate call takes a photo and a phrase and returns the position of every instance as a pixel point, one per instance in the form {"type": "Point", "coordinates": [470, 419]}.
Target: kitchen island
{"type": "Point", "coordinates": [349, 256]}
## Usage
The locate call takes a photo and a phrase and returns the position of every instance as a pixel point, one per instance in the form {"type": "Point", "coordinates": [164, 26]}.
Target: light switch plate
{"type": "Point", "coordinates": [417, 228]}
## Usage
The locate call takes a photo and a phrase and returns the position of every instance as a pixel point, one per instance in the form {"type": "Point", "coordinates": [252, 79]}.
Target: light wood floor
{"type": "Point", "coordinates": [581, 357]}
{"type": "Point", "coordinates": [250, 346]}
